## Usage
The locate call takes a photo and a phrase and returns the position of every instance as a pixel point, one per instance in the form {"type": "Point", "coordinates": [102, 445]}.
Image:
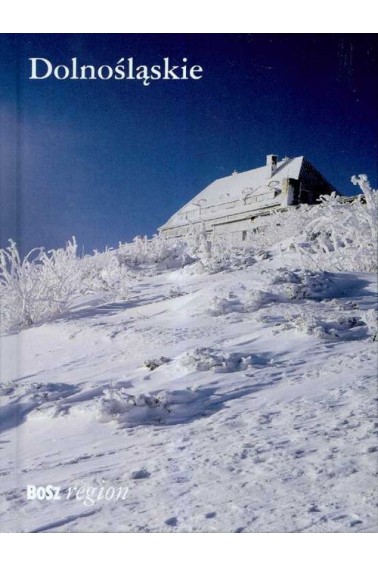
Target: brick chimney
{"type": "Point", "coordinates": [271, 164]}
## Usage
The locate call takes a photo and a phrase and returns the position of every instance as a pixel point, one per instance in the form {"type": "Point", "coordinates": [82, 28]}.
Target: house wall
{"type": "Point", "coordinates": [237, 232]}
{"type": "Point", "coordinates": [236, 216]}
{"type": "Point", "coordinates": [312, 184]}
{"type": "Point", "coordinates": [236, 226]}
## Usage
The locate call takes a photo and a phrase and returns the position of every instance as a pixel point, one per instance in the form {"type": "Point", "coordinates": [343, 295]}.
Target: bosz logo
{"type": "Point", "coordinates": [48, 492]}
{"type": "Point", "coordinates": [88, 495]}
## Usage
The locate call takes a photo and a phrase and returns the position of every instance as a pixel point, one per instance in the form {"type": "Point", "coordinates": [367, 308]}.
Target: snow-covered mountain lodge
{"type": "Point", "coordinates": [236, 204]}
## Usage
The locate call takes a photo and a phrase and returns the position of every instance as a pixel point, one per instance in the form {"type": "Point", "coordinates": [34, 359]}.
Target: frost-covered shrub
{"type": "Point", "coordinates": [40, 285]}
{"type": "Point", "coordinates": [44, 284]}
{"type": "Point", "coordinates": [198, 244]}
{"type": "Point", "coordinates": [217, 254]}
{"type": "Point", "coordinates": [176, 292]}
{"type": "Point", "coordinates": [280, 226]}
{"type": "Point", "coordinates": [371, 198]}
{"type": "Point", "coordinates": [207, 359]}
{"type": "Point", "coordinates": [34, 395]}
{"type": "Point", "coordinates": [337, 327]}
{"type": "Point", "coordinates": [342, 235]}
{"type": "Point", "coordinates": [248, 302]}
{"type": "Point", "coordinates": [301, 284]}
{"type": "Point", "coordinates": [166, 407]}
{"type": "Point", "coordinates": [258, 298]}
{"type": "Point", "coordinates": [154, 363]}
{"type": "Point", "coordinates": [220, 306]}
{"type": "Point", "coordinates": [104, 272]}
{"type": "Point", "coordinates": [370, 318]}
{"type": "Point", "coordinates": [117, 404]}
{"type": "Point", "coordinates": [159, 251]}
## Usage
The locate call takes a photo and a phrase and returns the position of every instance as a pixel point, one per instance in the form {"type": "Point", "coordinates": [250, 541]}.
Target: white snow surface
{"type": "Point", "coordinates": [237, 401]}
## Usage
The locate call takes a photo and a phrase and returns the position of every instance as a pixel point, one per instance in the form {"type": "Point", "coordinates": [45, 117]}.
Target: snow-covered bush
{"type": "Point", "coordinates": [105, 272]}
{"type": "Point", "coordinates": [118, 405]}
{"type": "Point", "coordinates": [370, 318]}
{"type": "Point", "coordinates": [371, 202]}
{"type": "Point", "coordinates": [160, 251]}
{"type": "Point", "coordinates": [198, 243]}
{"type": "Point", "coordinates": [40, 285]}
{"type": "Point", "coordinates": [280, 226]}
{"type": "Point", "coordinates": [335, 327]}
{"type": "Point", "coordinates": [215, 254]}
{"type": "Point", "coordinates": [220, 306]}
{"type": "Point", "coordinates": [342, 236]}
{"type": "Point", "coordinates": [203, 359]}
{"type": "Point", "coordinates": [258, 298]}
{"type": "Point", "coordinates": [44, 284]}
{"type": "Point", "coordinates": [154, 363]}
{"type": "Point", "coordinates": [166, 407]}
{"type": "Point", "coordinates": [176, 292]}
{"type": "Point", "coordinates": [302, 284]}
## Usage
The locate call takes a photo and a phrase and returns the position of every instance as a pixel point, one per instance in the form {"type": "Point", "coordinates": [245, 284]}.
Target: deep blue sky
{"type": "Point", "coordinates": [107, 160]}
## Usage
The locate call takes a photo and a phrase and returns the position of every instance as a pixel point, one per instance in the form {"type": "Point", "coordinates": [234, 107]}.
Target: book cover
{"type": "Point", "coordinates": [188, 283]}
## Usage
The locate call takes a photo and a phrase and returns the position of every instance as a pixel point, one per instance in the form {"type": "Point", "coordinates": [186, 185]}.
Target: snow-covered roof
{"type": "Point", "coordinates": [228, 191]}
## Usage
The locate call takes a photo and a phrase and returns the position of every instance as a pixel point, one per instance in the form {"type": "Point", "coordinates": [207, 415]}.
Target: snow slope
{"type": "Point", "coordinates": [237, 401]}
